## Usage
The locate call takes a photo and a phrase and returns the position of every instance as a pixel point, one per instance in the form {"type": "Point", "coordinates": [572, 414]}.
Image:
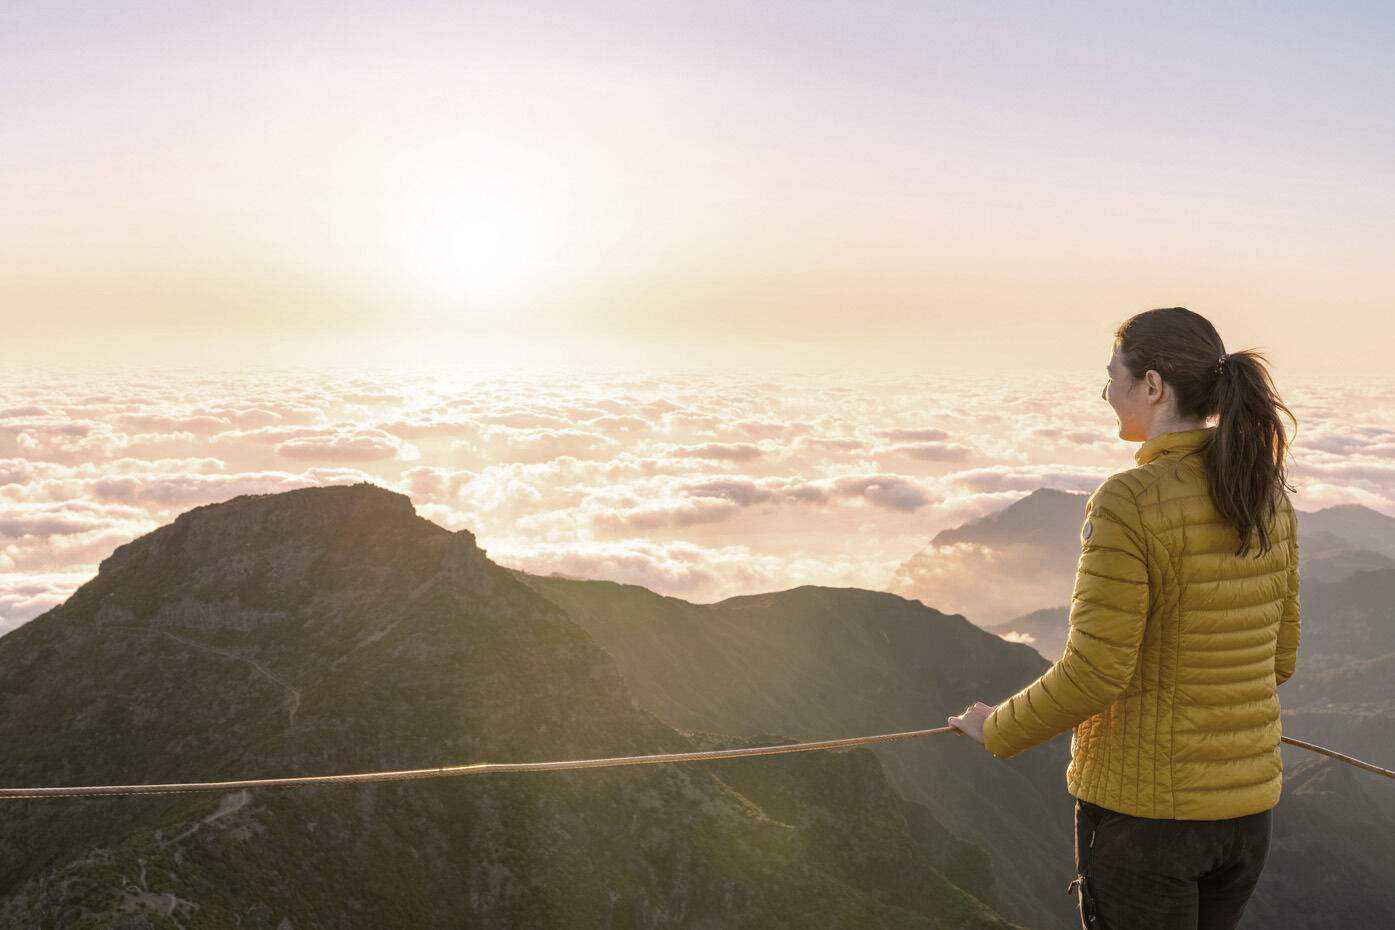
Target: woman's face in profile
{"type": "Point", "coordinates": [1122, 394]}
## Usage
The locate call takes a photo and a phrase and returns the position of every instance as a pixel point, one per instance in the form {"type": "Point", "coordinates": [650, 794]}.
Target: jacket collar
{"type": "Point", "coordinates": [1173, 444]}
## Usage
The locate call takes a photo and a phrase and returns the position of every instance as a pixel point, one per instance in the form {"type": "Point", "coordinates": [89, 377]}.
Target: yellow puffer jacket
{"type": "Point", "coordinates": [1176, 647]}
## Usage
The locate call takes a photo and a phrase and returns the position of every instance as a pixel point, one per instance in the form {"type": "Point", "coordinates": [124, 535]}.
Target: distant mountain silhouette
{"type": "Point", "coordinates": [332, 630]}
{"type": "Point", "coordinates": [1360, 527]}
{"type": "Point", "coordinates": [1047, 628]}
{"type": "Point", "coordinates": [1021, 560]}
{"type": "Point", "coordinates": [1042, 518]}
{"type": "Point", "coordinates": [1001, 566]}
{"type": "Point", "coordinates": [1340, 541]}
{"type": "Point", "coordinates": [1329, 558]}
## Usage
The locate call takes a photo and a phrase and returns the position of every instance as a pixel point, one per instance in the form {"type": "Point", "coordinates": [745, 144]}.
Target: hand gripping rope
{"type": "Point", "coordinates": [485, 768]}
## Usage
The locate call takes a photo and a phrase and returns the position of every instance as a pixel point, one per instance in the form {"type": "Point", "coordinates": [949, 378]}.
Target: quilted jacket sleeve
{"type": "Point", "coordinates": [1108, 612]}
{"type": "Point", "coordinates": [1286, 656]}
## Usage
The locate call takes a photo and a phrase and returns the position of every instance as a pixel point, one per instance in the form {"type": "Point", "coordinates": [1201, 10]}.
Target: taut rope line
{"type": "Point", "coordinates": [478, 768]}
{"type": "Point", "coordinates": [1312, 747]}
{"type": "Point", "coordinates": [484, 768]}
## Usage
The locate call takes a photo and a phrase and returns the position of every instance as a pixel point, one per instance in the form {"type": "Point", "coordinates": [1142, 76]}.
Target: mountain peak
{"type": "Point", "coordinates": [1354, 511]}
{"type": "Point", "coordinates": [1038, 517]}
{"type": "Point", "coordinates": [314, 507]}
{"type": "Point", "coordinates": [1355, 525]}
{"type": "Point", "coordinates": [254, 520]}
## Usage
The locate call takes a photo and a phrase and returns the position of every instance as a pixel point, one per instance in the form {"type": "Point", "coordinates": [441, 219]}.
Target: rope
{"type": "Point", "coordinates": [485, 768]}
{"type": "Point", "coordinates": [1311, 747]}
{"type": "Point", "coordinates": [478, 768]}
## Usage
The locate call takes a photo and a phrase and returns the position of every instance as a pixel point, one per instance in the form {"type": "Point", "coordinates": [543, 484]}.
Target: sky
{"type": "Point", "coordinates": [712, 297]}
{"type": "Point", "coordinates": [791, 185]}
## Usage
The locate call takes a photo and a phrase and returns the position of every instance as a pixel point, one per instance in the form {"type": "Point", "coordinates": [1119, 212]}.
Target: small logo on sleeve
{"type": "Point", "coordinates": [1086, 530]}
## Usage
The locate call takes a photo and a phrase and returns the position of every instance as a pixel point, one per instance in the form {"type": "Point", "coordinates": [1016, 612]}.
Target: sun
{"type": "Point", "coordinates": [473, 255]}
{"type": "Point", "coordinates": [482, 259]}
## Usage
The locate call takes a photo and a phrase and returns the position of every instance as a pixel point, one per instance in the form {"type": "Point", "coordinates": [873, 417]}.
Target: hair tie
{"type": "Point", "coordinates": [1220, 366]}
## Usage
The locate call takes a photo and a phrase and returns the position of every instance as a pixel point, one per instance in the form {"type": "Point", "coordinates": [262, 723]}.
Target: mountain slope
{"type": "Point", "coordinates": [1329, 858]}
{"type": "Point", "coordinates": [1353, 617]}
{"type": "Point", "coordinates": [332, 630]}
{"type": "Point", "coordinates": [823, 662]}
{"type": "Point", "coordinates": [819, 662]}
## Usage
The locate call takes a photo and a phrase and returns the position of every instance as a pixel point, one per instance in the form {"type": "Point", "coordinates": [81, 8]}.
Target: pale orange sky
{"type": "Point", "coordinates": [874, 185]}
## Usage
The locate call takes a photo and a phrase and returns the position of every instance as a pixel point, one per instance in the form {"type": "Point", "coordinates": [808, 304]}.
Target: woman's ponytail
{"type": "Point", "coordinates": [1248, 452]}
{"type": "Point", "coordinates": [1247, 456]}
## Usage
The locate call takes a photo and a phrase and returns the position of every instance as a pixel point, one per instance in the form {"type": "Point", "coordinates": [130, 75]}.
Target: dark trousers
{"type": "Point", "coordinates": [1141, 874]}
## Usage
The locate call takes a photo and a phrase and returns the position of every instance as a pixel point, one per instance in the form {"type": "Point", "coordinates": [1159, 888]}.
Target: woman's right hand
{"type": "Point", "coordinates": [970, 722]}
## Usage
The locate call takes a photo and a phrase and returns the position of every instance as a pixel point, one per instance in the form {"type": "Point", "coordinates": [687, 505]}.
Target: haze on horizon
{"type": "Point", "coordinates": [779, 185]}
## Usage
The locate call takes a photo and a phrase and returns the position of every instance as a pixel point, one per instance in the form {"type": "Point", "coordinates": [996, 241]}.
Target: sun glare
{"type": "Point", "coordinates": [474, 260]}
{"type": "Point", "coordinates": [481, 258]}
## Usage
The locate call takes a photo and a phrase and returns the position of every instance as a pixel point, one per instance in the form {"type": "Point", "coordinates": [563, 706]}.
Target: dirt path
{"type": "Point", "coordinates": [229, 803]}
{"type": "Point", "coordinates": [292, 693]}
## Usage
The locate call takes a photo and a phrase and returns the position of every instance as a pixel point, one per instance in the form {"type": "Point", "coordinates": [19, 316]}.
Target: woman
{"type": "Point", "coordinates": [1184, 620]}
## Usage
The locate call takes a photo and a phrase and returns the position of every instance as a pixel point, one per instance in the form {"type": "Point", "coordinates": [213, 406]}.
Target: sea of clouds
{"type": "Point", "coordinates": [696, 486]}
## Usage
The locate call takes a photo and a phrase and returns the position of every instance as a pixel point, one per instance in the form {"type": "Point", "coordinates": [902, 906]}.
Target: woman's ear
{"type": "Point", "coordinates": [1157, 387]}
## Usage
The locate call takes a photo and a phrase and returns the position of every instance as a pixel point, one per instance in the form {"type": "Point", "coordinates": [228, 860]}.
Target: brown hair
{"type": "Point", "coordinates": [1246, 456]}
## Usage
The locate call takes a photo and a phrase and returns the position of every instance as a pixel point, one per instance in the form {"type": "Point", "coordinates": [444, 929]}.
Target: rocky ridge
{"type": "Point", "coordinates": [333, 630]}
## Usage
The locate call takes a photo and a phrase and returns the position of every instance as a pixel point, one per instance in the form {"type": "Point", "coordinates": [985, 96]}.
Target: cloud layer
{"type": "Point", "coordinates": [698, 487]}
